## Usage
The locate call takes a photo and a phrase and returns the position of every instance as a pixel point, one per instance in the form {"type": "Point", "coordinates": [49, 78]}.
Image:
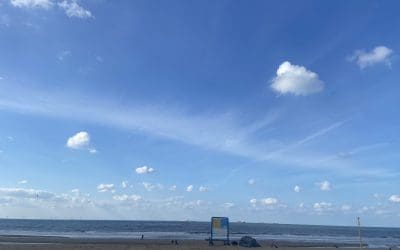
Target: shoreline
{"type": "Point", "coordinates": [26, 240]}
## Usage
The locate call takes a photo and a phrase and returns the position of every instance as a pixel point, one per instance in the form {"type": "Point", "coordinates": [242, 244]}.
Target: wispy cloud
{"type": "Point", "coordinates": [150, 186]}
{"type": "Point", "coordinates": [105, 188]}
{"type": "Point", "coordinates": [26, 193]}
{"type": "Point", "coordinates": [362, 149]}
{"type": "Point", "coordinates": [218, 131]}
{"type": "Point", "coordinates": [125, 197]}
{"type": "Point", "coordinates": [380, 54]}
{"type": "Point", "coordinates": [317, 134]}
{"type": "Point", "coordinates": [324, 185]}
{"type": "Point", "coordinates": [394, 198]}
{"type": "Point", "coordinates": [203, 189]}
{"type": "Point", "coordinates": [73, 9]}
{"type": "Point", "coordinates": [323, 206]}
{"type": "Point", "coordinates": [44, 4]}
{"type": "Point", "coordinates": [292, 146]}
{"type": "Point", "coordinates": [212, 131]}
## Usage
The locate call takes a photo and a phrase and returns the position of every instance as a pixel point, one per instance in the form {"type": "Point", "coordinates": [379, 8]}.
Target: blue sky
{"type": "Point", "coordinates": [278, 111]}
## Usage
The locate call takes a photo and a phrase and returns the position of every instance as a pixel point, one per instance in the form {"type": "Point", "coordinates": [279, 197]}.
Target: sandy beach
{"type": "Point", "coordinates": [64, 243]}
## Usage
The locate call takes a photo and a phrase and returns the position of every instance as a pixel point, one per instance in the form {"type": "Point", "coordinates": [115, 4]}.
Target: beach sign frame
{"type": "Point", "coordinates": [219, 230]}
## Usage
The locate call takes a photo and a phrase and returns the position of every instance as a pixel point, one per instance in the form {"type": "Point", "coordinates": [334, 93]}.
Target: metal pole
{"type": "Point", "coordinates": [359, 232]}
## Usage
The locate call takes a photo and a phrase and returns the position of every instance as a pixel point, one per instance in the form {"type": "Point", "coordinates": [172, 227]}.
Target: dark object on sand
{"type": "Point", "coordinates": [234, 243]}
{"type": "Point", "coordinates": [274, 245]}
{"type": "Point", "coordinates": [142, 237]}
{"type": "Point", "coordinates": [247, 241]}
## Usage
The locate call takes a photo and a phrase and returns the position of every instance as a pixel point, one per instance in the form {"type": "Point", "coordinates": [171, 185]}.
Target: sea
{"type": "Point", "coordinates": [373, 236]}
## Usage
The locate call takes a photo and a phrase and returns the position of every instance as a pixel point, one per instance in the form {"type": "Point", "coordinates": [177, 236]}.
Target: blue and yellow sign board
{"type": "Point", "coordinates": [220, 229]}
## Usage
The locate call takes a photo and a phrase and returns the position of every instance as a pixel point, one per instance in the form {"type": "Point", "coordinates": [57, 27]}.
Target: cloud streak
{"type": "Point", "coordinates": [219, 132]}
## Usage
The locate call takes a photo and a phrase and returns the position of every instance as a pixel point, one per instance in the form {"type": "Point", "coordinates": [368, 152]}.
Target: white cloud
{"type": "Point", "coordinates": [189, 188]}
{"type": "Point", "coordinates": [75, 191]}
{"type": "Point", "coordinates": [73, 9]}
{"type": "Point", "coordinates": [379, 54]}
{"type": "Point", "coordinates": [150, 187]}
{"type": "Point", "coordinates": [324, 185]}
{"type": "Point", "coordinates": [172, 188]}
{"type": "Point", "coordinates": [22, 182]}
{"type": "Point", "coordinates": [269, 201]}
{"type": "Point", "coordinates": [144, 170]}
{"type": "Point", "coordinates": [125, 197]}
{"type": "Point", "coordinates": [395, 198]}
{"type": "Point", "coordinates": [194, 204]}
{"type": "Point", "coordinates": [203, 189]}
{"type": "Point", "coordinates": [364, 209]}
{"type": "Point", "coordinates": [251, 181]}
{"type": "Point", "coordinates": [346, 207]}
{"type": "Point", "coordinates": [25, 193]}
{"type": "Point", "coordinates": [124, 184]}
{"type": "Point", "coordinates": [79, 140]}
{"type": "Point", "coordinates": [322, 206]}
{"type": "Point", "coordinates": [296, 80]}
{"type": "Point", "coordinates": [92, 150]}
{"type": "Point", "coordinates": [297, 189]}
{"type": "Point", "coordinates": [43, 4]}
{"type": "Point", "coordinates": [105, 188]}
{"type": "Point", "coordinates": [228, 204]}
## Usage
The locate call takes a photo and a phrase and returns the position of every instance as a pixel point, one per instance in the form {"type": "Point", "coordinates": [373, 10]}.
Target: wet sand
{"type": "Point", "coordinates": [64, 243]}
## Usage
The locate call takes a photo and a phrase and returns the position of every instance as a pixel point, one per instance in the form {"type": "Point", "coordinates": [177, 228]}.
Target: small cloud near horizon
{"type": "Point", "coordinates": [144, 170]}
{"type": "Point", "coordinates": [324, 185]}
{"type": "Point", "coordinates": [189, 188]}
{"type": "Point", "coordinates": [102, 188]}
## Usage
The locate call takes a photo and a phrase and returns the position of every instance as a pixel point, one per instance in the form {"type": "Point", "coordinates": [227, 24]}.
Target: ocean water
{"type": "Point", "coordinates": [373, 236]}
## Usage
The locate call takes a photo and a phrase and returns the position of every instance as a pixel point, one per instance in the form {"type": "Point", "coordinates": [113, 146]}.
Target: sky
{"type": "Point", "coordinates": [263, 111]}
